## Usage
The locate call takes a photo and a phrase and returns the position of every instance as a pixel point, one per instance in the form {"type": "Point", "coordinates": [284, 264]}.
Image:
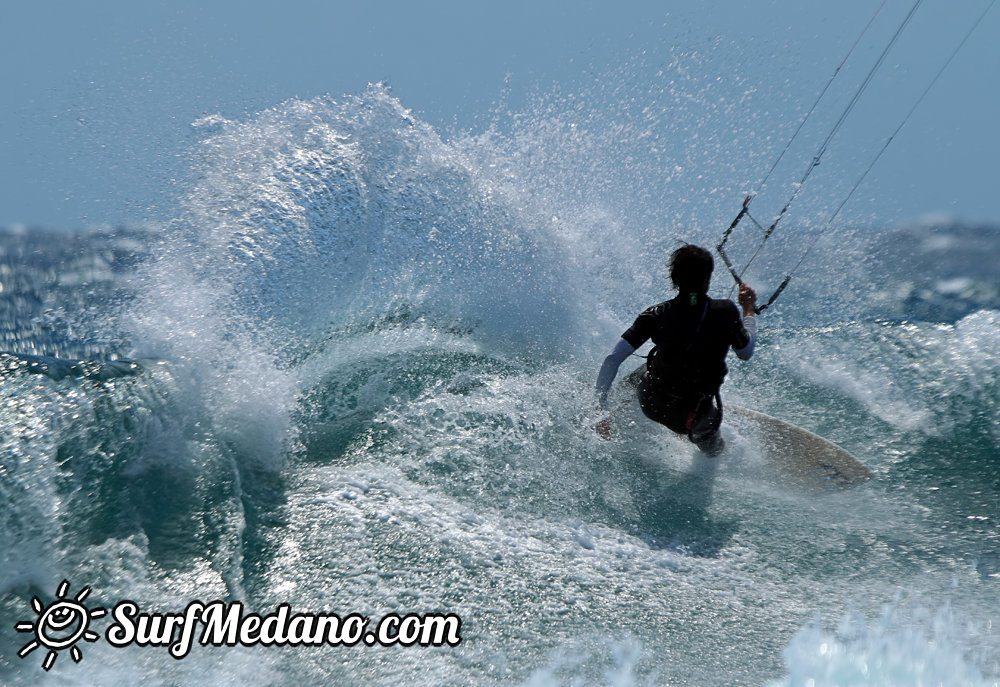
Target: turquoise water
{"type": "Point", "coordinates": [368, 352]}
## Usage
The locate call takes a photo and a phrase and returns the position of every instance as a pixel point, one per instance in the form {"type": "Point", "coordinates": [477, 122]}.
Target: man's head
{"type": "Point", "coordinates": [691, 269]}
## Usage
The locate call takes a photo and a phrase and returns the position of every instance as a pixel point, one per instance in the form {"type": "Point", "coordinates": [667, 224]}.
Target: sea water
{"type": "Point", "coordinates": [367, 355]}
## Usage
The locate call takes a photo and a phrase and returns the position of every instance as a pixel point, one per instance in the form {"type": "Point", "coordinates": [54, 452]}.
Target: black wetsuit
{"type": "Point", "coordinates": [680, 385]}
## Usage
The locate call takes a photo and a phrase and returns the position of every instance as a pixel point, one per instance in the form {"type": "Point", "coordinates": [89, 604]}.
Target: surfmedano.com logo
{"type": "Point", "coordinates": [62, 624]}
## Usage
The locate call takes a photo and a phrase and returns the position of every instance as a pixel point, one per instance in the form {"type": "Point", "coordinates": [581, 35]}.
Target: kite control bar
{"type": "Point", "coordinates": [721, 248]}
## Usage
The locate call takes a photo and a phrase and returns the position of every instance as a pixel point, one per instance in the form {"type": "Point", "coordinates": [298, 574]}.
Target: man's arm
{"type": "Point", "coordinates": [609, 370]}
{"type": "Point", "coordinates": [748, 301]}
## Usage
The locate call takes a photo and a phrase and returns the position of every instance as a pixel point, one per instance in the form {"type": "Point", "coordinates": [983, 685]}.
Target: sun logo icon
{"type": "Point", "coordinates": [60, 625]}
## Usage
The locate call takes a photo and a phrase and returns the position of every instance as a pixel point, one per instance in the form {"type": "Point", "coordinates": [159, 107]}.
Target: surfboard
{"type": "Point", "coordinates": [802, 457]}
{"type": "Point", "coordinates": [796, 454]}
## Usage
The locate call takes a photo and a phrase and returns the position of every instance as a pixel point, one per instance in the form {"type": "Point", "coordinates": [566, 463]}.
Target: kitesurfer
{"type": "Point", "coordinates": [692, 333]}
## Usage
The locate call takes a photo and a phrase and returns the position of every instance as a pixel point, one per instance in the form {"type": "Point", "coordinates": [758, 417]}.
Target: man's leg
{"type": "Point", "coordinates": [705, 428]}
{"type": "Point", "coordinates": [661, 407]}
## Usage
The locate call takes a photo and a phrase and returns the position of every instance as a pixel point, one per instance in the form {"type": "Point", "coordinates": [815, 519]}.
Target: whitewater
{"type": "Point", "coordinates": [355, 375]}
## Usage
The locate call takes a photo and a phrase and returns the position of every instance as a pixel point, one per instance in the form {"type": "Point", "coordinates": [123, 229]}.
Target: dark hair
{"type": "Point", "coordinates": [690, 266]}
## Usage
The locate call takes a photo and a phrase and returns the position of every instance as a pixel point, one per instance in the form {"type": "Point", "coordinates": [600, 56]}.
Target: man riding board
{"type": "Point", "coordinates": [691, 333]}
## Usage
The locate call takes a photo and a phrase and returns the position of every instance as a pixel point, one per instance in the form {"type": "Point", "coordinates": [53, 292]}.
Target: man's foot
{"type": "Point", "coordinates": [712, 446]}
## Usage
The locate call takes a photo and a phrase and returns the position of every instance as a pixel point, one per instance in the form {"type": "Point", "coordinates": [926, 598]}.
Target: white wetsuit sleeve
{"type": "Point", "coordinates": [609, 370]}
{"type": "Point", "coordinates": [750, 324]}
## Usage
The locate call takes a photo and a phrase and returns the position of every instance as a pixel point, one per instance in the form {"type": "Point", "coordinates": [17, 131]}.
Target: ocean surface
{"type": "Point", "coordinates": [355, 375]}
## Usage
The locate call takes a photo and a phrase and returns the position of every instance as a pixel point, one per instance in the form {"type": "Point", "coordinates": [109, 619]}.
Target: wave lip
{"type": "Point", "coordinates": [60, 368]}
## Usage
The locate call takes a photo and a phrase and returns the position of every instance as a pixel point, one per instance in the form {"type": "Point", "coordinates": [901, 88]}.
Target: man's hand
{"type": "Point", "coordinates": [748, 299]}
{"type": "Point", "coordinates": [603, 428]}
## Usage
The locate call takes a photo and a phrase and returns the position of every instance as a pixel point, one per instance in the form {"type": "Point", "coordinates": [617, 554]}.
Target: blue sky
{"type": "Point", "coordinates": [99, 97]}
